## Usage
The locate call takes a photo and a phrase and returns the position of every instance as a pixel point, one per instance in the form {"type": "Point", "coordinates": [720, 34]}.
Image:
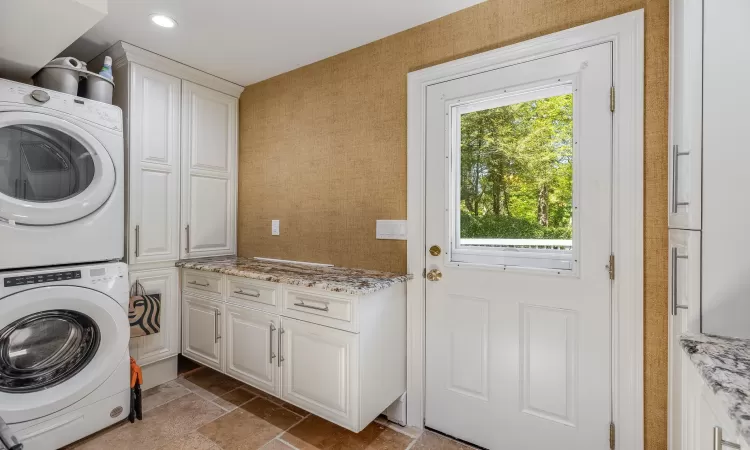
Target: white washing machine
{"type": "Point", "coordinates": [62, 189]}
{"type": "Point", "coordinates": [64, 360]}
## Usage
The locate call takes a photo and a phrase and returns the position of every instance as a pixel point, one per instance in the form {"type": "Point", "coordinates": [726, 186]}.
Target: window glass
{"type": "Point", "coordinates": [41, 164]}
{"type": "Point", "coordinates": [516, 175]}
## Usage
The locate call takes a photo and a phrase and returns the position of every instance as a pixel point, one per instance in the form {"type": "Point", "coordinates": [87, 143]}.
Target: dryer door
{"type": "Point", "coordinates": [51, 171]}
{"type": "Point", "coordinates": [57, 345]}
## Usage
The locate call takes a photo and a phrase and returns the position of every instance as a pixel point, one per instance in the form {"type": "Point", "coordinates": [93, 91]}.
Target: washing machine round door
{"type": "Point", "coordinates": [57, 345]}
{"type": "Point", "coordinates": [51, 170]}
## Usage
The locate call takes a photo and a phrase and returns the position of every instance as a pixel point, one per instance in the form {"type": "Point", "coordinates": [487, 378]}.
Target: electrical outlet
{"type": "Point", "coordinates": [274, 228]}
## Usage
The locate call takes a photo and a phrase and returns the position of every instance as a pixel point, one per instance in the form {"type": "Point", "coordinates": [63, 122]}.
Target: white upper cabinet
{"type": "Point", "coordinates": [686, 115]}
{"type": "Point", "coordinates": [209, 159]}
{"type": "Point", "coordinates": [154, 155]}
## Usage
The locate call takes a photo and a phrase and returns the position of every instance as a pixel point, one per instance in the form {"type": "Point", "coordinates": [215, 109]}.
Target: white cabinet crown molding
{"type": "Point", "coordinates": [123, 53]}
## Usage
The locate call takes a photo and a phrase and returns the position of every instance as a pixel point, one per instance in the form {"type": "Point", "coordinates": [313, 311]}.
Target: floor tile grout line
{"type": "Point", "coordinates": [284, 442]}
{"type": "Point", "coordinates": [278, 436]}
{"type": "Point", "coordinates": [187, 392]}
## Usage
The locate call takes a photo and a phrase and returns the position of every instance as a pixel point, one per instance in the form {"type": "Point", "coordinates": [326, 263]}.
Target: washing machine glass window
{"type": "Point", "coordinates": [44, 349]}
{"type": "Point", "coordinates": [51, 171]}
{"type": "Point", "coordinates": [41, 164]}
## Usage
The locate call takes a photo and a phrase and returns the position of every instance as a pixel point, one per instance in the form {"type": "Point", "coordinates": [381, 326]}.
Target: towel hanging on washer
{"type": "Point", "coordinates": [144, 312]}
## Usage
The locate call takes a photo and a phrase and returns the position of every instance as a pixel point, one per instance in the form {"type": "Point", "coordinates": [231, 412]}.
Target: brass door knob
{"type": "Point", "coordinates": [435, 250]}
{"type": "Point", "coordinates": [434, 275]}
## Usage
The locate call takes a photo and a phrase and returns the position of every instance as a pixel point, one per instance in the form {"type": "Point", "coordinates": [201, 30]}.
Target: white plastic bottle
{"type": "Point", "coordinates": [106, 71]}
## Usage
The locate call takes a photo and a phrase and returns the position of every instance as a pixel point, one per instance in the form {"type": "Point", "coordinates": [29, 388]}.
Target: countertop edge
{"type": "Point", "coordinates": [333, 286]}
{"type": "Point", "coordinates": [729, 398]}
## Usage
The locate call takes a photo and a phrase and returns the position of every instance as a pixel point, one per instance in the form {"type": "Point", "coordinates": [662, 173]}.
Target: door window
{"type": "Point", "coordinates": [42, 164]}
{"type": "Point", "coordinates": [45, 349]}
{"type": "Point", "coordinates": [513, 170]}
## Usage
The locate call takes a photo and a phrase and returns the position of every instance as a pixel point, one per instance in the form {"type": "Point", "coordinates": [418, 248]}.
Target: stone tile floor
{"type": "Point", "coordinates": [206, 410]}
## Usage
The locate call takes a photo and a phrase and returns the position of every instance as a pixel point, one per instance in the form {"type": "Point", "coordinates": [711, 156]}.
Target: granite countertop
{"type": "Point", "coordinates": [724, 365]}
{"type": "Point", "coordinates": [334, 279]}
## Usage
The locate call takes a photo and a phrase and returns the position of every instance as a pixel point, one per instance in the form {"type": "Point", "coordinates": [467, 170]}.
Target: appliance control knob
{"type": "Point", "coordinates": [40, 96]}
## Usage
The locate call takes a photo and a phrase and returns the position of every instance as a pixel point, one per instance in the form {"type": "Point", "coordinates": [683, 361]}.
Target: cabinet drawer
{"type": "Point", "coordinates": [256, 294]}
{"type": "Point", "coordinates": [205, 282]}
{"type": "Point", "coordinates": [324, 308]}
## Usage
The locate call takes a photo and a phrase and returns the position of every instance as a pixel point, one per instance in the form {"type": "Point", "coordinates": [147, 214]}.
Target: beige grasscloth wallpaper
{"type": "Point", "coordinates": [323, 149]}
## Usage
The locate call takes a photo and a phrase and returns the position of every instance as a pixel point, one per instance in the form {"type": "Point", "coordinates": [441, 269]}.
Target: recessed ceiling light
{"type": "Point", "coordinates": [163, 21]}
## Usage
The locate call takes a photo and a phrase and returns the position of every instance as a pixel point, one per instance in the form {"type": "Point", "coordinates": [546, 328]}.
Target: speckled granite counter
{"type": "Point", "coordinates": [334, 279]}
{"type": "Point", "coordinates": [724, 365]}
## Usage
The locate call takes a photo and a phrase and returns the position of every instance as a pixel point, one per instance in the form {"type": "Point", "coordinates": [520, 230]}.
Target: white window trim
{"type": "Point", "coordinates": [626, 32]}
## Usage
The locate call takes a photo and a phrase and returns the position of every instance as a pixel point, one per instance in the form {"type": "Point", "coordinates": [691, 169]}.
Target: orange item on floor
{"type": "Point", "coordinates": [136, 375]}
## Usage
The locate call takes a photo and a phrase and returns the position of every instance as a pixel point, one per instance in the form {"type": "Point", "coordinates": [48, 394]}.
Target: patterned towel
{"type": "Point", "coordinates": [144, 314]}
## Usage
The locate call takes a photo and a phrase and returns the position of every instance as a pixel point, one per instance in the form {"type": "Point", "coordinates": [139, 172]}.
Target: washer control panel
{"type": "Point", "coordinates": [48, 277]}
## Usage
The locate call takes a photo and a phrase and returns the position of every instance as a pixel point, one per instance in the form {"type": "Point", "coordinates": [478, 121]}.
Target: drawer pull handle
{"type": "Point", "coordinates": [318, 308]}
{"type": "Point", "coordinates": [217, 336]}
{"type": "Point", "coordinates": [250, 294]}
{"type": "Point", "coordinates": [719, 441]}
{"type": "Point", "coordinates": [271, 329]}
{"type": "Point", "coordinates": [199, 284]}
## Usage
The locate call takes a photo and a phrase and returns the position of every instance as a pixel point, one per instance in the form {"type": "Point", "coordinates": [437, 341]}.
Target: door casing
{"type": "Point", "coordinates": [626, 33]}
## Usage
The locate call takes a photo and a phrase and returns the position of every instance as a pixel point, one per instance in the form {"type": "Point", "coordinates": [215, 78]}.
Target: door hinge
{"type": "Point", "coordinates": [611, 436]}
{"type": "Point", "coordinates": [612, 99]}
{"type": "Point", "coordinates": [424, 273]}
{"type": "Point", "coordinates": [611, 267]}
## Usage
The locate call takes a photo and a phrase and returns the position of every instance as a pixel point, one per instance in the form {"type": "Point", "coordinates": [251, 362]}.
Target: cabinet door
{"type": "Point", "coordinates": [686, 114]}
{"type": "Point", "coordinates": [209, 161]}
{"type": "Point", "coordinates": [201, 331]}
{"type": "Point", "coordinates": [165, 343]}
{"type": "Point", "coordinates": [684, 295]}
{"type": "Point", "coordinates": [251, 346]}
{"type": "Point", "coordinates": [154, 158]}
{"type": "Point", "coordinates": [320, 371]}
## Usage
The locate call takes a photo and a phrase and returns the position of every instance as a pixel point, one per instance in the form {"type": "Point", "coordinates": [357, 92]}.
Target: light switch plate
{"type": "Point", "coordinates": [390, 229]}
{"type": "Point", "coordinates": [274, 228]}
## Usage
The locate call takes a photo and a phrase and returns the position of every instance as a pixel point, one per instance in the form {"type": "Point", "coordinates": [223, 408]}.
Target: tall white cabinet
{"type": "Point", "coordinates": [708, 156]}
{"type": "Point", "coordinates": [181, 150]}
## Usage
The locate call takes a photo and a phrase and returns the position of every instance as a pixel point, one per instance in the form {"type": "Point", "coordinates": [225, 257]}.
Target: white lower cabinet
{"type": "Point", "coordinates": [302, 359]}
{"type": "Point", "coordinates": [201, 330]}
{"type": "Point", "coordinates": [706, 426]}
{"type": "Point", "coordinates": [252, 346]}
{"type": "Point", "coordinates": [165, 344]}
{"type": "Point", "coordinates": [321, 370]}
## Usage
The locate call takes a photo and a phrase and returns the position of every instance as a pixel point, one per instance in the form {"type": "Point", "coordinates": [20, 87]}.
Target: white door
{"type": "Point", "coordinates": [165, 343]}
{"type": "Point", "coordinates": [251, 338]}
{"type": "Point", "coordinates": [684, 295]}
{"type": "Point", "coordinates": [209, 159]}
{"type": "Point", "coordinates": [154, 150]}
{"type": "Point", "coordinates": [319, 369]}
{"type": "Point", "coordinates": [518, 198]}
{"type": "Point", "coordinates": [201, 330]}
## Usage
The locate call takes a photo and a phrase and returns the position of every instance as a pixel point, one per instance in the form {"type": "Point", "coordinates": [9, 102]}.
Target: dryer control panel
{"type": "Point", "coordinates": [48, 277]}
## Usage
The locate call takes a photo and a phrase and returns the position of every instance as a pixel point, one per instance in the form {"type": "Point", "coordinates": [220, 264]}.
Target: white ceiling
{"type": "Point", "coordinates": [246, 41]}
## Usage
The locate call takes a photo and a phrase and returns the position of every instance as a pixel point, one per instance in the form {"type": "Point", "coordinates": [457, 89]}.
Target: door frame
{"type": "Point", "coordinates": [626, 33]}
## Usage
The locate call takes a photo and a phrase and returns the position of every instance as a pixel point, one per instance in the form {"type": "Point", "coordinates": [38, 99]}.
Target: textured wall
{"type": "Point", "coordinates": [323, 149]}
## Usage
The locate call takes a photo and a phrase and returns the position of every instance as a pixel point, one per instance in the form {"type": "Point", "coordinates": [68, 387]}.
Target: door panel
{"type": "Point", "coordinates": [154, 166]}
{"type": "Point", "coordinates": [201, 331]}
{"type": "Point", "coordinates": [166, 343]}
{"type": "Point", "coordinates": [684, 295]}
{"type": "Point", "coordinates": [518, 192]}
{"type": "Point", "coordinates": [209, 187]}
{"type": "Point", "coordinates": [251, 343]}
{"type": "Point", "coordinates": [319, 370]}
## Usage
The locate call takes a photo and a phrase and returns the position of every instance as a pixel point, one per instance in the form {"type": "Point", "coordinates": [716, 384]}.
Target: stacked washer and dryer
{"type": "Point", "coordinates": [64, 332]}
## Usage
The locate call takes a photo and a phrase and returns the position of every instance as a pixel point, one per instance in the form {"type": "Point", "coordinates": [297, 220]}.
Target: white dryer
{"type": "Point", "coordinates": [64, 360]}
{"type": "Point", "coordinates": [62, 189]}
